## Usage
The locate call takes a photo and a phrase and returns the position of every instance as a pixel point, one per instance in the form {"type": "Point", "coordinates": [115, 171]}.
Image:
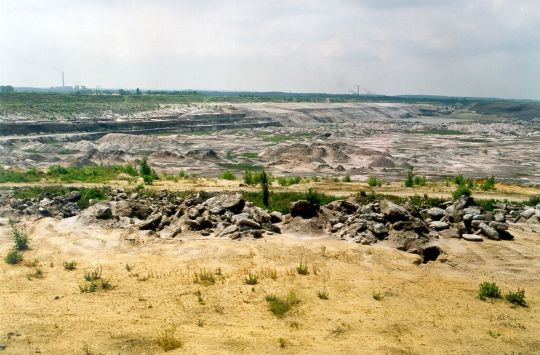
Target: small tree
{"type": "Point", "coordinates": [409, 179]}
{"type": "Point", "coordinates": [265, 189]}
{"type": "Point", "coordinates": [248, 177]}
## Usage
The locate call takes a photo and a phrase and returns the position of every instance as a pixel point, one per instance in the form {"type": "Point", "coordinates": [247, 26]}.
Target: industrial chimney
{"type": "Point", "coordinates": [62, 79]}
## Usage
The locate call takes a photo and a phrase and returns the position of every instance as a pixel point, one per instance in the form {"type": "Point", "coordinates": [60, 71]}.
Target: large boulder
{"type": "Point", "coordinates": [488, 231]}
{"type": "Point", "coordinates": [304, 209]}
{"type": "Point", "coordinates": [223, 202]}
{"type": "Point", "coordinates": [436, 213]}
{"type": "Point", "coordinates": [104, 212]}
{"type": "Point", "coordinates": [393, 212]}
{"type": "Point", "coordinates": [152, 222]}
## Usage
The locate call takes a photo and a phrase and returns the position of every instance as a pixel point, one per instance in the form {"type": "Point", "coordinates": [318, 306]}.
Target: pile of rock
{"type": "Point", "coordinates": [410, 228]}
{"type": "Point", "coordinates": [223, 215]}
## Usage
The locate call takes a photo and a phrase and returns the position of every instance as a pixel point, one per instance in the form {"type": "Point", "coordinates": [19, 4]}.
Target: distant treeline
{"type": "Point", "coordinates": [123, 100]}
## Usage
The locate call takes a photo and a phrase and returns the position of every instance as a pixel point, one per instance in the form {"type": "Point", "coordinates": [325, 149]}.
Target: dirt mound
{"type": "Point", "coordinates": [382, 162]}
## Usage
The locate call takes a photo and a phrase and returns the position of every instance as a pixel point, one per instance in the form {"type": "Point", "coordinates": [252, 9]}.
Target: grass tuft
{"type": "Point", "coordinates": [204, 278]}
{"type": "Point", "coordinates": [251, 279]}
{"type": "Point", "coordinates": [70, 265]}
{"type": "Point", "coordinates": [167, 341]}
{"type": "Point", "coordinates": [322, 294]}
{"type": "Point", "coordinates": [302, 268]}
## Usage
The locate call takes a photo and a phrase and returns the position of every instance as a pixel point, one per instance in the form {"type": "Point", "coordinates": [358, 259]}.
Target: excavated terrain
{"type": "Point", "coordinates": [322, 139]}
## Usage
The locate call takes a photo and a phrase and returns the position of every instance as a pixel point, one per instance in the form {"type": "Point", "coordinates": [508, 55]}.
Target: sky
{"type": "Point", "coordinates": [484, 48]}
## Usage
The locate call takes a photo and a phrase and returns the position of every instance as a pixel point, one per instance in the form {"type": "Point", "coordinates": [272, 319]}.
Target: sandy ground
{"type": "Point", "coordinates": [430, 308]}
{"type": "Point", "coordinates": [432, 189]}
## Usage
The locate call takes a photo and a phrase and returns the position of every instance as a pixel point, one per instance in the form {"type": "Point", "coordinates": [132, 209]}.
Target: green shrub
{"type": "Point", "coordinates": [227, 175]}
{"type": "Point", "coordinates": [461, 190]}
{"type": "Point", "coordinates": [346, 178]}
{"type": "Point", "coordinates": [488, 184]}
{"type": "Point", "coordinates": [288, 180]}
{"type": "Point", "coordinates": [534, 200]}
{"type": "Point", "coordinates": [280, 201]}
{"type": "Point", "coordinates": [459, 179]}
{"type": "Point", "coordinates": [279, 306]}
{"type": "Point", "coordinates": [517, 297]}
{"type": "Point", "coordinates": [419, 180]}
{"type": "Point", "coordinates": [489, 290]}
{"type": "Point", "coordinates": [248, 178]}
{"type": "Point", "coordinates": [13, 257]}
{"type": "Point", "coordinates": [19, 237]}
{"type": "Point", "coordinates": [374, 181]}
{"type": "Point", "coordinates": [409, 178]}
{"type": "Point", "coordinates": [251, 279]}
{"type": "Point", "coordinates": [93, 275]}
{"type": "Point", "coordinates": [88, 288]}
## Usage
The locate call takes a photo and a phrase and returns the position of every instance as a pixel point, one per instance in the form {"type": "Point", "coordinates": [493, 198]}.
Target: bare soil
{"type": "Point", "coordinates": [431, 308]}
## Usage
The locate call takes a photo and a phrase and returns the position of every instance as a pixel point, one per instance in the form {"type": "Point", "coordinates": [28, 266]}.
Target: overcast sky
{"type": "Point", "coordinates": [443, 47]}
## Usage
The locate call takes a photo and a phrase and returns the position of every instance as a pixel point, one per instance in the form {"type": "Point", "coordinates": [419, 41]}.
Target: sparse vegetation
{"type": "Point", "coordinates": [378, 295]}
{"type": "Point", "coordinates": [488, 184]}
{"type": "Point", "coordinates": [167, 340]}
{"type": "Point", "coordinates": [70, 265]}
{"type": "Point", "coordinates": [517, 297]}
{"type": "Point", "coordinates": [323, 294]}
{"type": "Point", "coordinates": [227, 175]}
{"type": "Point", "coordinates": [489, 290]}
{"type": "Point", "coordinates": [302, 268]}
{"type": "Point", "coordinates": [374, 181]}
{"type": "Point", "coordinates": [462, 190]}
{"type": "Point", "coordinates": [13, 257]}
{"type": "Point", "coordinates": [346, 178]}
{"type": "Point", "coordinates": [280, 201]}
{"type": "Point", "coordinates": [88, 288]}
{"type": "Point", "coordinates": [282, 342]}
{"type": "Point", "coordinates": [37, 274]}
{"type": "Point", "coordinates": [251, 279]}
{"type": "Point", "coordinates": [288, 180]}
{"type": "Point", "coordinates": [19, 237]}
{"type": "Point", "coordinates": [265, 190]}
{"type": "Point", "coordinates": [412, 180]}
{"type": "Point", "coordinates": [205, 278]}
{"type": "Point", "coordinates": [93, 275]}
{"type": "Point", "coordinates": [279, 306]}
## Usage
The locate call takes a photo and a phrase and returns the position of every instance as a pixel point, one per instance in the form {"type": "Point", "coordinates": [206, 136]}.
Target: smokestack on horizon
{"type": "Point", "coordinates": [63, 79]}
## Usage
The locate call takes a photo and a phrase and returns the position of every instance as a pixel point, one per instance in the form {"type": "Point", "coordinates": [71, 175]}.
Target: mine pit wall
{"type": "Point", "coordinates": [187, 122]}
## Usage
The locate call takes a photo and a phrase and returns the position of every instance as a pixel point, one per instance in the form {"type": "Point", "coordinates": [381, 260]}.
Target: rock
{"type": "Point", "coordinates": [438, 225]}
{"type": "Point", "coordinates": [271, 228]}
{"type": "Point", "coordinates": [476, 223]}
{"type": "Point", "coordinates": [248, 223]}
{"type": "Point", "coordinates": [479, 217]}
{"type": "Point", "coordinates": [336, 227]}
{"type": "Point", "coordinates": [488, 231]}
{"type": "Point", "coordinates": [121, 209]}
{"type": "Point", "coordinates": [429, 252]}
{"type": "Point", "coordinates": [170, 231]}
{"type": "Point", "coordinates": [276, 217]}
{"type": "Point", "coordinates": [140, 210]}
{"type": "Point", "coordinates": [393, 212]}
{"type": "Point", "coordinates": [378, 229]}
{"type": "Point", "coordinates": [472, 237]}
{"type": "Point", "coordinates": [222, 202]}
{"type": "Point", "coordinates": [152, 222]}
{"type": "Point", "coordinates": [104, 212]}
{"type": "Point", "coordinates": [499, 216]}
{"type": "Point", "coordinates": [498, 226]}
{"type": "Point", "coordinates": [304, 209]}
{"type": "Point", "coordinates": [193, 213]}
{"type": "Point", "coordinates": [73, 196]}
{"type": "Point", "coordinates": [436, 213]}
{"type": "Point", "coordinates": [254, 233]}
{"type": "Point", "coordinates": [528, 213]}
{"type": "Point", "coordinates": [228, 230]}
